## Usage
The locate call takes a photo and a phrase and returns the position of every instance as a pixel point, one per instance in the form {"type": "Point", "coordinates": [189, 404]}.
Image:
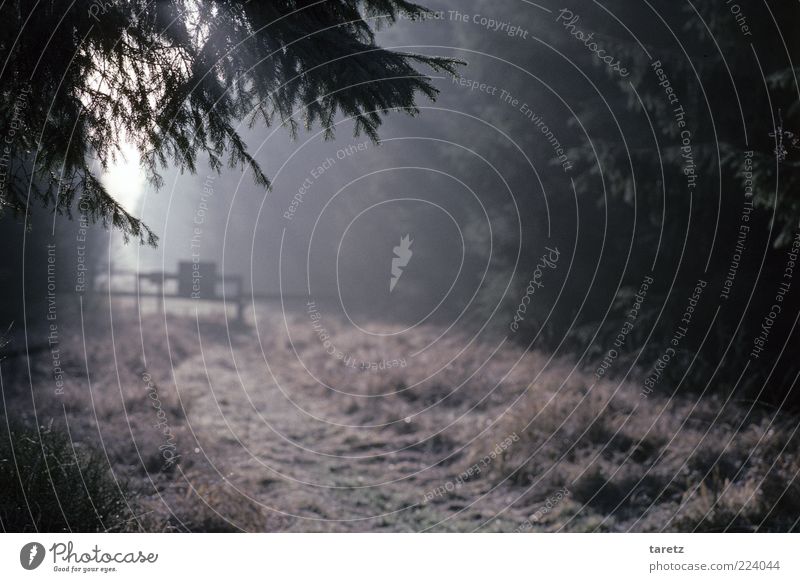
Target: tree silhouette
{"type": "Point", "coordinates": [715, 176]}
{"type": "Point", "coordinates": [759, 112]}
{"type": "Point", "coordinates": [174, 78]}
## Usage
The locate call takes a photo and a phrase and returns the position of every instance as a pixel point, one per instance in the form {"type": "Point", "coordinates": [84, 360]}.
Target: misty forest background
{"type": "Point", "coordinates": [122, 168]}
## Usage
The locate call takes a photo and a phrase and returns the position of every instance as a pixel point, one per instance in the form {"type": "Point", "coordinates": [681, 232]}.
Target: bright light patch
{"type": "Point", "coordinates": [124, 179]}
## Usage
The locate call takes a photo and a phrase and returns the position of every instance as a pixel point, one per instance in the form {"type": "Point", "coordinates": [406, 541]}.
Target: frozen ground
{"type": "Point", "coordinates": [258, 428]}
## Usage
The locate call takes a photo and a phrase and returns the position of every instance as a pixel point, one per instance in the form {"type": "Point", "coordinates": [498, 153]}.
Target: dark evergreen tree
{"type": "Point", "coordinates": [735, 91]}
{"type": "Point", "coordinates": [174, 77]}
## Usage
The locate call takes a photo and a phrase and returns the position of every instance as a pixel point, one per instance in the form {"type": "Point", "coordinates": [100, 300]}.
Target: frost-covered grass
{"type": "Point", "coordinates": [220, 429]}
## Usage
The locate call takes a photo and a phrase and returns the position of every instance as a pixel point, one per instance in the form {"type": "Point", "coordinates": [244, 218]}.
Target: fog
{"type": "Point", "coordinates": [460, 179]}
{"type": "Point", "coordinates": [568, 277]}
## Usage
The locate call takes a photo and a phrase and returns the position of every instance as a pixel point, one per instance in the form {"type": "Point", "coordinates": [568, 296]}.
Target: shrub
{"type": "Point", "coordinates": [51, 484]}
